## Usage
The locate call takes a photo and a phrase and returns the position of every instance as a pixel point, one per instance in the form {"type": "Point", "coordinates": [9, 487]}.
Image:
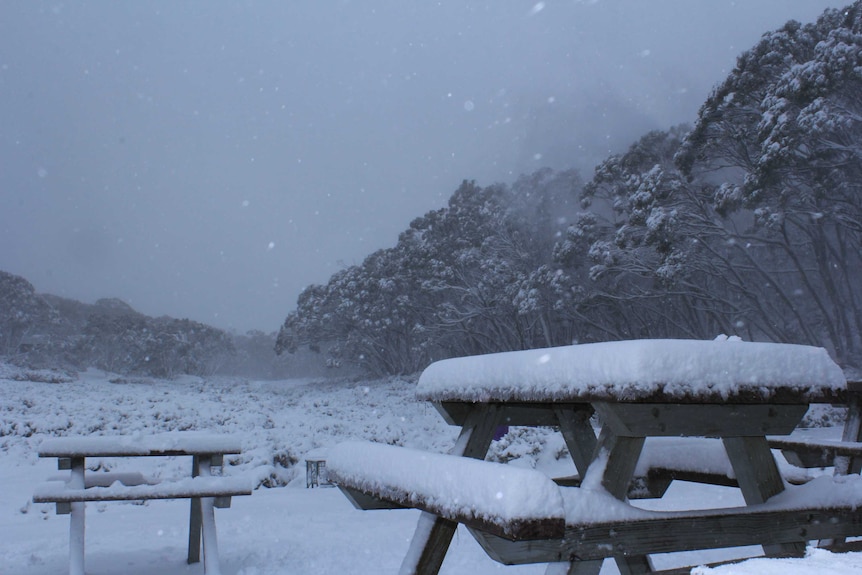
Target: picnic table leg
{"type": "Point", "coordinates": [433, 534]}
{"type": "Point", "coordinates": [207, 519]}
{"type": "Point", "coordinates": [759, 479]}
{"type": "Point", "coordinates": [76, 520]}
{"type": "Point", "coordinates": [195, 519]}
{"type": "Point", "coordinates": [578, 434]}
{"type": "Point", "coordinates": [623, 455]}
{"type": "Point", "coordinates": [845, 465]}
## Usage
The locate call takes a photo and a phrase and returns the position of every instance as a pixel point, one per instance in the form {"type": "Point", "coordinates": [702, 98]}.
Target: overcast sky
{"type": "Point", "coordinates": [209, 159]}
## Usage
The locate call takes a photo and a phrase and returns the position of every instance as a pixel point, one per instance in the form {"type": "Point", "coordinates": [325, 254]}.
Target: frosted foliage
{"type": "Point", "coordinates": [634, 369]}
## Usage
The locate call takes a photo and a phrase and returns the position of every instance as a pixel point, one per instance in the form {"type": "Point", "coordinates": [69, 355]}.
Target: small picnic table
{"type": "Point", "coordinates": [204, 487]}
{"type": "Point", "coordinates": [738, 392]}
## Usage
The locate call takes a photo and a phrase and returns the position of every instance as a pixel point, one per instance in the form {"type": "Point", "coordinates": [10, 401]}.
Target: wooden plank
{"type": "Point", "coordinates": [57, 491]}
{"type": "Point", "coordinates": [195, 521]}
{"type": "Point", "coordinates": [77, 522]}
{"type": "Point", "coordinates": [429, 545]}
{"type": "Point", "coordinates": [523, 529]}
{"type": "Point", "coordinates": [591, 542]}
{"type": "Point", "coordinates": [658, 480]}
{"type": "Point", "coordinates": [578, 433]}
{"type": "Point", "coordinates": [367, 501]}
{"type": "Point", "coordinates": [852, 432]}
{"type": "Point", "coordinates": [514, 413]}
{"type": "Point", "coordinates": [846, 464]}
{"type": "Point", "coordinates": [106, 479]}
{"type": "Point", "coordinates": [754, 467]}
{"type": "Point", "coordinates": [128, 446]}
{"type": "Point", "coordinates": [623, 455]}
{"type": "Point", "coordinates": [751, 395]}
{"type": "Point", "coordinates": [208, 526]}
{"type": "Point", "coordinates": [706, 420]}
{"type": "Point", "coordinates": [811, 454]}
{"type": "Point", "coordinates": [434, 534]}
{"type": "Point", "coordinates": [759, 479]}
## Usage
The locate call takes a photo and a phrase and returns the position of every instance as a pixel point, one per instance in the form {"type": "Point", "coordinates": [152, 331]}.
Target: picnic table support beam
{"type": "Point", "coordinates": [76, 519]}
{"type": "Point", "coordinates": [578, 433]}
{"type": "Point", "coordinates": [434, 534]}
{"type": "Point", "coordinates": [623, 454]}
{"type": "Point", "coordinates": [207, 519]}
{"type": "Point", "coordinates": [845, 465]}
{"type": "Point", "coordinates": [759, 479]}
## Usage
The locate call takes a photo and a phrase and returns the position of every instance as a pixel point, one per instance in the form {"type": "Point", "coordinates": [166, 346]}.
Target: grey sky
{"type": "Point", "coordinates": [209, 159]}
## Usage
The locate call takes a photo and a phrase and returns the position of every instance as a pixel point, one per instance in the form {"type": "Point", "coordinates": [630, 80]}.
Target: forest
{"type": "Point", "coordinates": [747, 222]}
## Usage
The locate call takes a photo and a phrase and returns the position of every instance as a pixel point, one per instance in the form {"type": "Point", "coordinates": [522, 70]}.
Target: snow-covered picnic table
{"type": "Point", "coordinates": [205, 486]}
{"type": "Point", "coordinates": [738, 392]}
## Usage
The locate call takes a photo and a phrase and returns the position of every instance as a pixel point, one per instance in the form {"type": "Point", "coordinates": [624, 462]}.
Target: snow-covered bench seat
{"type": "Point", "coordinates": [697, 460]}
{"type": "Point", "coordinates": [205, 489]}
{"type": "Point", "coordinates": [827, 447]}
{"type": "Point", "coordinates": [821, 453]}
{"type": "Point", "coordinates": [512, 502]}
{"type": "Point", "coordinates": [521, 516]}
{"type": "Point", "coordinates": [54, 491]}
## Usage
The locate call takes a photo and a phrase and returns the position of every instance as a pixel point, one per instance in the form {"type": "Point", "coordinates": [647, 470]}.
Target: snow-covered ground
{"type": "Point", "coordinates": [284, 529]}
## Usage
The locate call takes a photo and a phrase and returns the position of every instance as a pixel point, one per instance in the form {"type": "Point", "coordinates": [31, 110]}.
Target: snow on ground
{"type": "Point", "coordinates": [279, 530]}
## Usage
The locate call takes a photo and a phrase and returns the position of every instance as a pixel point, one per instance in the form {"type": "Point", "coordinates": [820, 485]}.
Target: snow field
{"type": "Point", "coordinates": [276, 531]}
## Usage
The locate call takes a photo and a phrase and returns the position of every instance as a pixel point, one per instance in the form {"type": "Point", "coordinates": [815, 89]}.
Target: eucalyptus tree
{"type": "Point", "coordinates": [779, 141]}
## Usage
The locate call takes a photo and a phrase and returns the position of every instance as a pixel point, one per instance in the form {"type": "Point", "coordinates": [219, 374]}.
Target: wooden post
{"type": "Point", "coordinates": [578, 434]}
{"type": "Point", "coordinates": [845, 465]}
{"type": "Point", "coordinates": [623, 455]}
{"type": "Point", "coordinates": [76, 520]}
{"type": "Point", "coordinates": [207, 523]}
{"type": "Point", "coordinates": [434, 534]}
{"type": "Point", "coordinates": [195, 519]}
{"type": "Point", "coordinates": [759, 479]}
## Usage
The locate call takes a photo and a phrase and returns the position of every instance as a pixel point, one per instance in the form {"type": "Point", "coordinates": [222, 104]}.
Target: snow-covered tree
{"type": "Point", "coordinates": [23, 313]}
{"type": "Point", "coordinates": [780, 141]}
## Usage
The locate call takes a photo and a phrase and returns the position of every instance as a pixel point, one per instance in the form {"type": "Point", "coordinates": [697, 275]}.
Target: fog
{"type": "Point", "coordinates": [209, 159]}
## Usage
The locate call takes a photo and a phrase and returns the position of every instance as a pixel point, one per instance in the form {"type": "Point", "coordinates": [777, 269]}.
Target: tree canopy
{"type": "Point", "coordinates": [747, 223]}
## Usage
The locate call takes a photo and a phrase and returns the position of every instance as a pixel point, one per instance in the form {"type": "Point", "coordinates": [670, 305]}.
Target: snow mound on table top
{"type": "Point", "coordinates": [633, 369]}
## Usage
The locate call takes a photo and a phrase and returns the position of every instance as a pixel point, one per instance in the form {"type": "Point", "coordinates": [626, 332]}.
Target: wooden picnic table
{"type": "Point", "coordinates": [205, 487]}
{"type": "Point", "coordinates": [737, 392]}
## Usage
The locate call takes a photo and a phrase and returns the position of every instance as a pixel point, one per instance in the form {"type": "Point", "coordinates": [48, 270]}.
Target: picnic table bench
{"type": "Point", "coordinates": [808, 449]}
{"type": "Point", "coordinates": [205, 486]}
{"type": "Point", "coordinates": [736, 392]}
{"type": "Point", "coordinates": [521, 516]}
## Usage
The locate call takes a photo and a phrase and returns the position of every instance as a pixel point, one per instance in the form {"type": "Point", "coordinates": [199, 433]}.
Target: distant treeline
{"type": "Point", "coordinates": [43, 330]}
{"type": "Point", "coordinates": [749, 223]}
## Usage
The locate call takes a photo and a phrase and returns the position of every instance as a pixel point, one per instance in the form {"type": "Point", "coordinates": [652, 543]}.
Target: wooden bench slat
{"type": "Point", "coordinates": [599, 526]}
{"type": "Point", "coordinates": [132, 446]}
{"type": "Point", "coordinates": [499, 497]}
{"type": "Point", "coordinates": [58, 491]}
{"type": "Point", "coordinates": [107, 479]}
{"type": "Point", "coordinates": [674, 534]}
{"type": "Point", "coordinates": [811, 454]}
